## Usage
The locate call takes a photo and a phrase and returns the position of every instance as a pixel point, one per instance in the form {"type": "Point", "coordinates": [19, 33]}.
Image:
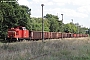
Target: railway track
{"type": "Point", "coordinates": [47, 40]}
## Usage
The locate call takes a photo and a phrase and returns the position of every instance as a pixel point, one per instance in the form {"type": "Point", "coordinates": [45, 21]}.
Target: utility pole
{"type": "Point", "coordinates": [72, 20]}
{"type": "Point", "coordinates": [42, 24]}
{"type": "Point", "coordinates": [77, 24]}
{"type": "Point", "coordinates": [62, 25]}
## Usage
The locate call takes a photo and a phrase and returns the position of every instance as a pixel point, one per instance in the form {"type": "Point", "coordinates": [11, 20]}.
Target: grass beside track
{"type": "Point", "coordinates": [65, 49]}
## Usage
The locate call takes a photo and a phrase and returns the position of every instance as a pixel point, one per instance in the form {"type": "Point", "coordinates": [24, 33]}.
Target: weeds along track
{"type": "Point", "coordinates": [59, 49]}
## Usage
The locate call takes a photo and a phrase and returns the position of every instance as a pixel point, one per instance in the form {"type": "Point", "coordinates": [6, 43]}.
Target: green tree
{"type": "Point", "coordinates": [36, 24]}
{"type": "Point", "coordinates": [61, 26]}
{"type": "Point", "coordinates": [12, 14]}
{"type": "Point", "coordinates": [25, 13]}
{"type": "Point", "coordinates": [70, 27]}
{"type": "Point", "coordinates": [53, 22]}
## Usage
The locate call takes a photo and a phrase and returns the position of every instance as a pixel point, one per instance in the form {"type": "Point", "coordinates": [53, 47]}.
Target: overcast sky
{"type": "Point", "coordinates": [78, 10]}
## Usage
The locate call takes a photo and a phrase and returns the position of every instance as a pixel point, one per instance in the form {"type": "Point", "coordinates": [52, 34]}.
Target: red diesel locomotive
{"type": "Point", "coordinates": [20, 33]}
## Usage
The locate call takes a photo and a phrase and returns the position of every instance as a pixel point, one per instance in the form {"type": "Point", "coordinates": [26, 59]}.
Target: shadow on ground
{"type": "Point", "coordinates": [3, 41]}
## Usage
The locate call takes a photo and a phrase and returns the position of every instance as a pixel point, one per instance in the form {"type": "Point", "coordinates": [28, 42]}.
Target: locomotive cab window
{"type": "Point", "coordinates": [24, 28]}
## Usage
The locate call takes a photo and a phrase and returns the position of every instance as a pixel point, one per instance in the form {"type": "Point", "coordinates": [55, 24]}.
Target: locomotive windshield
{"type": "Point", "coordinates": [24, 28]}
